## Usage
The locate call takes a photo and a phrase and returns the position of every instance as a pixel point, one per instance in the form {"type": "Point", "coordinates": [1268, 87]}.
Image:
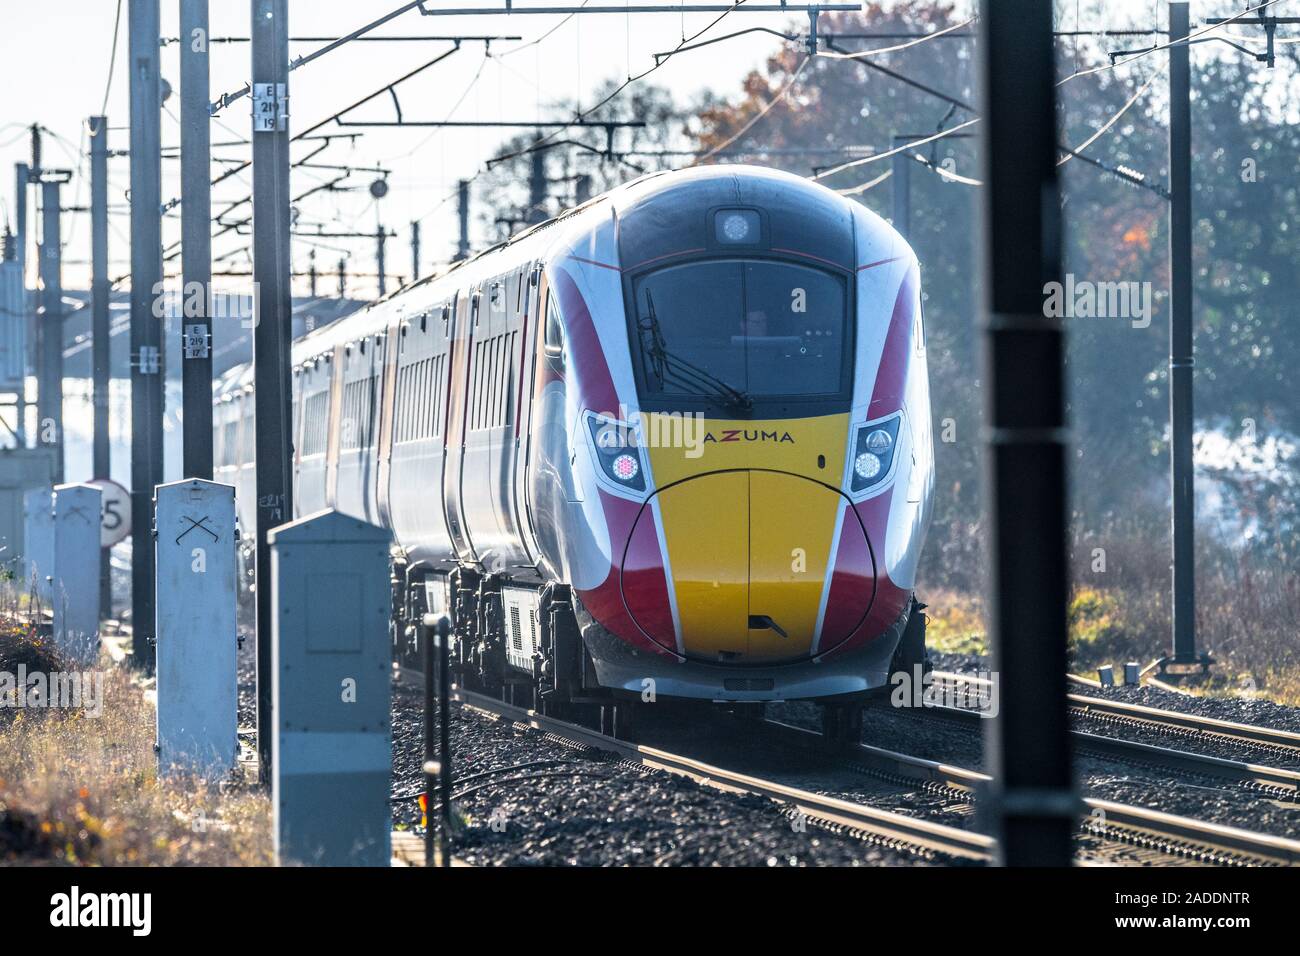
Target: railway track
{"type": "Point", "coordinates": [1273, 782]}
{"type": "Point", "coordinates": [878, 827]}
{"type": "Point", "coordinates": [1168, 834]}
{"type": "Point", "coordinates": [1149, 830]}
{"type": "Point", "coordinates": [1170, 722]}
{"type": "Point", "coordinates": [1268, 741]}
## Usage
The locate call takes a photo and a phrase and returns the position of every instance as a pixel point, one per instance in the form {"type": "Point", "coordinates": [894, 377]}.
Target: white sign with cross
{"type": "Point", "coordinates": [197, 640]}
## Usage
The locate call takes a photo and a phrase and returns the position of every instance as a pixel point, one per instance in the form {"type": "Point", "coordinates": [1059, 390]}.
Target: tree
{"type": "Point", "coordinates": [581, 151]}
{"type": "Point", "coordinates": [1247, 283]}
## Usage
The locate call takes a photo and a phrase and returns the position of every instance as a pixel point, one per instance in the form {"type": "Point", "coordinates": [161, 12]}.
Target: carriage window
{"type": "Point", "coordinates": [554, 342]}
{"type": "Point", "coordinates": [315, 428]}
{"type": "Point", "coordinates": [919, 333]}
{"type": "Point", "coordinates": [494, 381]}
{"type": "Point", "coordinates": [757, 327]}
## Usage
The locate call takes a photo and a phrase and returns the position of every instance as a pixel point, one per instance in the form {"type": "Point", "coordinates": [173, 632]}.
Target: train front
{"type": "Point", "coordinates": [750, 425]}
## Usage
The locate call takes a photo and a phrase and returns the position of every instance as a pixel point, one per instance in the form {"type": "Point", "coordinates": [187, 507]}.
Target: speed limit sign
{"type": "Point", "coordinates": [114, 513]}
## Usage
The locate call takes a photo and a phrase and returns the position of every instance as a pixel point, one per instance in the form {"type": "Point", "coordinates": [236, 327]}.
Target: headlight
{"type": "Point", "coordinates": [873, 453]}
{"type": "Point", "coordinates": [617, 452]}
{"type": "Point", "coordinates": [879, 441]}
{"type": "Point", "coordinates": [625, 468]}
{"type": "Point", "coordinates": [866, 466]}
{"type": "Point", "coordinates": [737, 226]}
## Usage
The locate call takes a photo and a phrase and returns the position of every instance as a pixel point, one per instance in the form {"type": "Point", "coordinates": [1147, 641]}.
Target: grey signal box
{"type": "Point", "coordinates": [331, 606]}
{"type": "Point", "coordinates": [195, 545]}
{"type": "Point", "coordinates": [75, 591]}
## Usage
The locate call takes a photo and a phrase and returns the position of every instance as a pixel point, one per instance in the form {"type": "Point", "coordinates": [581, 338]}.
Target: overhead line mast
{"type": "Point", "coordinates": [1033, 804]}
{"type": "Point", "coordinates": [146, 328]}
{"type": "Point", "coordinates": [196, 243]}
{"type": "Point", "coordinates": [272, 322]}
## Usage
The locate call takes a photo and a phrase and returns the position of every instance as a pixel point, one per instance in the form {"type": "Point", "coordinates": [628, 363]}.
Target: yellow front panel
{"type": "Point", "coordinates": [744, 534]}
{"type": "Point", "coordinates": [682, 447]}
{"type": "Point", "coordinates": [706, 527]}
{"type": "Point", "coordinates": [791, 527]}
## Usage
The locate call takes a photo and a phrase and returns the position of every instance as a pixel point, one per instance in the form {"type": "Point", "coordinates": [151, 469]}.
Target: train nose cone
{"type": "Point", "coordinates": [748, 559]}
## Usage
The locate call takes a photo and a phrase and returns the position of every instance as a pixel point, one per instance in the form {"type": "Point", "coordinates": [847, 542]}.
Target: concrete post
{"type": "Point", "coordinates": [38, 541]}
{"type": "Point", "coordinates": [195, 550]}
{"type": "Point", "coordinates": [75, 592]}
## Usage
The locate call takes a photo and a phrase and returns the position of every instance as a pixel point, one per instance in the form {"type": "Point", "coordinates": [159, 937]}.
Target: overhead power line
{"type": "Point", "coordinates": [834, 55]}
{"type": "Point", "coordinates": [1112, 121]}
{"type": "Point", "coordinates": [112, 58]}
{"type": "Point", "coordinates": [779, 98]}
{"type": "Point", "coordinates": [869, 184]}
{"type": "Point", "coordinates": [1165, 46]}
{"type": "Point", "coordinates": [876, 157]}
{"type": "Point", "coordinates": [582, 114]}
{"type": "Point", "coordinates": [512, 9]}
{"type": "Point", "coordinates": [227, 98]}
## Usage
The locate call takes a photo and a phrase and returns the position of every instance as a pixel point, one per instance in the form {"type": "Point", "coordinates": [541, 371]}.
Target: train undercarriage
{"type": "Point", "coordinates": [523, 643]}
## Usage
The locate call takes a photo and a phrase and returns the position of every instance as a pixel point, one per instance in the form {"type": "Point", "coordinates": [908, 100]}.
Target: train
{"type": "Point", "coordinates": [672, 443]}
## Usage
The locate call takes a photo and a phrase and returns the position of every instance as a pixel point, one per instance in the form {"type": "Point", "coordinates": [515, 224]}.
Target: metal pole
{"type": "Point", "coordinates": [443, 628]}
{"type": "Point", "coordinates": [1032, 799]}
{"type": "Point", "coordinates": [343, 278]}
{"type": "Point", "coordinates": [1180, 339]}
{"type": "Point", "coordinates": [272, 321]}
{"type": "Point", "coordinates": [311, 272]}
{"type": "Point", "coordinates": [99, 290]}
{"type": "Point", "coordinates": [99, 330]}
{"type": "Point", "coordinates": [902, 188]}
{"type": "Point", "coordinates": [582, 189]}
{"type": "Point", "coordinates": [34, 177]}
{"type": "Point", "coordinates": [146, 328]}
{"type": "Point", "coordinates": [49, 327]}
{"type": "Point", "coordinates": [537, 188]}
{"type": "Point", "coordinates": [415, 252]}
{"type": "Point", "coordinates": [196, 242]}
{"type": "Point", "coordinates": [426, 646]}
{"type": "Point", "coordinates": [462, 211]}
{"type": "Point", "coordinates": [381, 239]}
{"type": "Point", "coordinates": [22, 177]}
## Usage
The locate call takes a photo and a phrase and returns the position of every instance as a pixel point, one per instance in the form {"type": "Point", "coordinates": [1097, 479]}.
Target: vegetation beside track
{"type": "Point", "coordinates": [1248, 610]}
{"type": "Point", "coordinates": [80, 785]}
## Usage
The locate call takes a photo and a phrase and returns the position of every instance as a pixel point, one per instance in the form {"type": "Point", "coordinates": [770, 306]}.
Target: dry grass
{"type": "Point", "coordinates": [84, 790]}
{"type": "Point", "coordinates": [1248, 610]}
{"type": "Point", "coordinates": [956, 622]}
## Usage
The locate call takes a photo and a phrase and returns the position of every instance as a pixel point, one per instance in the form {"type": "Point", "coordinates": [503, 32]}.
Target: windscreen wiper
{"type": "Point", "coordinates": [668, 366]}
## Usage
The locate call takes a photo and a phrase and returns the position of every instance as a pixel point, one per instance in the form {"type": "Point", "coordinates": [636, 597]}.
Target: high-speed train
{"type": "Point", "coordinates": [675, 442]}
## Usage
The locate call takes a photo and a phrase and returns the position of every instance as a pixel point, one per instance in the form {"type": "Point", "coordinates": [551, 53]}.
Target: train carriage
{"type": "Point", "coordinates": [677, 439]}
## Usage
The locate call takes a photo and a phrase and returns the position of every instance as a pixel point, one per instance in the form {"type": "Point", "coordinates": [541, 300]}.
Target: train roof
{"type": "Point", "coordinates": [653, 214]}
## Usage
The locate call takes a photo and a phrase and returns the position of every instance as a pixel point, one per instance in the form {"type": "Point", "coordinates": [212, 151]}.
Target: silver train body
{"type": "Point", "coordinates": [677, 438]}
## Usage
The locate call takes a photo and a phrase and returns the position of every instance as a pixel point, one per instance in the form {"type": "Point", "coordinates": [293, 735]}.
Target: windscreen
{"type": "Point", "coordinates": [760, 328]}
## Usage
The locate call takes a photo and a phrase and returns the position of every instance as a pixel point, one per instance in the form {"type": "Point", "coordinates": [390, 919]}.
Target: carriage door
{"type": "Point", "coordinates": [492, 344]}
{"type": "Point", "coordinates": [466, 311]}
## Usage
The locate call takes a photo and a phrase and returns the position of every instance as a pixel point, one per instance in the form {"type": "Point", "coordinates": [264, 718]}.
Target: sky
{"type": "Point", "coordinates": [75, 37]}
{"type": "Point", "coordinates": [57, 56]}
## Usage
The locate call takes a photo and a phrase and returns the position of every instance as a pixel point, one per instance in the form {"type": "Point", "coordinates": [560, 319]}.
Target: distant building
{"type": "Point", "coordinates": [232, 344]}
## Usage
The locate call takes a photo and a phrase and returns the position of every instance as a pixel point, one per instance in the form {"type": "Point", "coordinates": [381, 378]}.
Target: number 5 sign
{"type": "Point", "coordinates": [115, 512]}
